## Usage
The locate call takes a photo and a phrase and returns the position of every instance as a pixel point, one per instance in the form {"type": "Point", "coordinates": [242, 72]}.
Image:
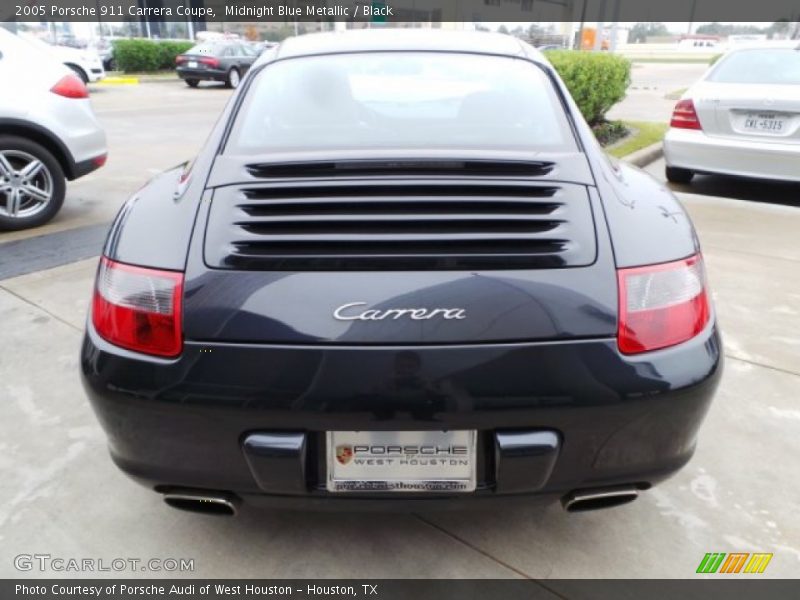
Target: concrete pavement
{"type": "Point", "coordinates": [651, 83]}
{"type": "Point", "coordinates": [61, 495]}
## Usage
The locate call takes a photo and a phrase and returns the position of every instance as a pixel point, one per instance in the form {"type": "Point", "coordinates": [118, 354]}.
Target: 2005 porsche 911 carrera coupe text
{"type": "Point", "coordinates": [401, 273]}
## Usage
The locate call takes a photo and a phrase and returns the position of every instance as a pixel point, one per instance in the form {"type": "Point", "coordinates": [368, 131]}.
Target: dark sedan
{"type": "Point", "coordinates": [225, 61]}
{"type": "Point", "coordinates": [401, 273]}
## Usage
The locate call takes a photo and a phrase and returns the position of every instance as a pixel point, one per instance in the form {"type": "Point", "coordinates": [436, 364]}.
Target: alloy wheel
{"type": "Point", "coordinates": [26, 184]}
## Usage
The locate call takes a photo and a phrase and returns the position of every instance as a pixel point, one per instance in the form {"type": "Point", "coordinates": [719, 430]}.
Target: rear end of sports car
{"type": "Point", "coordinates": [291, 322]}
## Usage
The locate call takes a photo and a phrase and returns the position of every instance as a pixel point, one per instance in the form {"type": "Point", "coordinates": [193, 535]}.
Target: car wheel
{"type": "Point", "coordinates": [32, 184]}
{"type": "Point", "coordinates": [678, 175]}
{"type": "Point", "coordinates": [192, 83]}
{"type": "Point", "coordinates": [80, 73]}
{"type": "Point", "coordinates": [233, 79]}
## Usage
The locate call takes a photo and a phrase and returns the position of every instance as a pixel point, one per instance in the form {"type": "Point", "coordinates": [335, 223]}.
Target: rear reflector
{"type": "Point", "coordinates": [661, 305]}
{"type": "Point", "coordinates": [70, 86]}
{"type": "Point", "coordinates": [139, 309]}
{"type": "Point", "coordinates": [685, 116]}
{"type": "Point", "coordinates": [99, 161]}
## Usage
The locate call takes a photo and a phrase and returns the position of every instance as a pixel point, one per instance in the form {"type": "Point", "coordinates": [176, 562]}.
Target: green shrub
{"type": "Point", "coordinates": [147, 55]}
{"type": "Point", "coordinates": [136, 55]}
{"type": "Point", "coordinates": [597, 81]}
{"type": "Point", "coordinates": [169, 50]}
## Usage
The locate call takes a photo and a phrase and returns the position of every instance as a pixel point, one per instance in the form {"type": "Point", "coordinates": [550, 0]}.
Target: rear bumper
{"type": "Point", "coordinates": [202, 74]}
{"type": "Point", "coordinates": [694, 150]}
{"type": "Point", "coordinates": [183, 423]}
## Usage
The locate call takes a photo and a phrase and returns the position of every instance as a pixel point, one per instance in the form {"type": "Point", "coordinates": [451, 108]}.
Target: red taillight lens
{"type": "Point", "coordinates": [99, 161]}
{"type": "Point", "coordinates": [180, 59]}
{"type": "Point", "coordinates": [70, 86]}
{"type": "Point", "coordinates": [685, 116]}
{"type": "Point", "coordinates": [211, 62]}
{"type": "Point", "coordinates": [661, 305]}
{"type": "Point", "coordinates": [139, 309]}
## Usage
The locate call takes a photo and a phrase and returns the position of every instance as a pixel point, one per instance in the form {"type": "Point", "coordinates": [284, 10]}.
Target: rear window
{"type": "Point", "coordinates": [207, 48]}
{"type": "Point", "coordinates": [400, 101]}
{"type": "Point", "coordinates": [775, 66]}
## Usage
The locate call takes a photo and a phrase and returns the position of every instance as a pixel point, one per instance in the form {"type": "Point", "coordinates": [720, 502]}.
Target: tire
{"type": "Point", "coordinates": [19, 210]}
{"type": "Point", "coordinates": [678, 175]}
{"type": "Point", "coordinates": [192, 83]}
{"type": "Point", "coordinates": [80, 73]}
{"type": "Point", "coordinates": [233, 79]}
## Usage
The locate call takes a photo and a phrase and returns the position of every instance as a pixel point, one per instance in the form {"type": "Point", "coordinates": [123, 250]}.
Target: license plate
{"type": "Point", "coordinates": [401, 461]}
{"type": "Point", "coordinates": [765, 123]}
{"type": "Point", "coordinates": [192, 64]}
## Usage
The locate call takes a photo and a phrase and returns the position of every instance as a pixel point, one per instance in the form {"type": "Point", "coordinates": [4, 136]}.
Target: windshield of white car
{"type": "Point", "coordinates": [399, 101]}
{"type": "Point", "coordinates": [776, 66]}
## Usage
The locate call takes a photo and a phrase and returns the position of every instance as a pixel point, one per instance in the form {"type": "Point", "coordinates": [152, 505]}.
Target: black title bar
{"type": "Point", "coordinates": [405, 11]}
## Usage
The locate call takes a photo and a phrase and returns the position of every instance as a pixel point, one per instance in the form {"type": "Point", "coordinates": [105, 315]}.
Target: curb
{"type": "Point", "coordinates": [119, 81]}
{"type": "Point", "coordinates": [645, 156]}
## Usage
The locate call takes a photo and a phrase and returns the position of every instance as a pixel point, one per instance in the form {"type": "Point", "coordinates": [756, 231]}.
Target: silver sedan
{"type": "Point", "coordinates": [742, 118]}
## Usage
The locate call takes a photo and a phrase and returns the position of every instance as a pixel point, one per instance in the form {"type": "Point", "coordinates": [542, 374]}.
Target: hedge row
{"type": "Point", "coordinates": [147, 55]}
{"type": "Point", "coordinates": [597, 81]}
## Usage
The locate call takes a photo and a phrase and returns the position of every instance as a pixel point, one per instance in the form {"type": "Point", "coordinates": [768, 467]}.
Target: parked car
{"type": "Point", "coordinates": [401, 272]}
{"type": "Point", "coordinates": [48, 133]}
{"type": "Point", "coordinates": [742, 118]}
{"type": "Point", "coordinates": [104, 47]}
{"type": "Point", "coordinates": [84, 62]}
{"type": "Point", "coordinates": [216, 60]}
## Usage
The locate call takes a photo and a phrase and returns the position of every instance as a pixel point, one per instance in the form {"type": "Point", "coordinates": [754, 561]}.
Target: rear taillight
{"type": "Point", "coordinates": [70, 86]}
{"type": "Point", "coordinates": [685, 116]}
{"type": "Point", "coordinates": [179, 60]}
{"type": "Point", "coordinates": [211, 62]}
{"type": "Point", "coordinates": [139, 309]}
{"type": "Point", "coordinates": [661, 305]}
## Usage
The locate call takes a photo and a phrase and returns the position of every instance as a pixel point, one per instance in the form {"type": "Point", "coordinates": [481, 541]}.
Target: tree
{"type": "Point", "coordinates": [641, 31]}
{"type": "Point", "coordinates": [502, 29]}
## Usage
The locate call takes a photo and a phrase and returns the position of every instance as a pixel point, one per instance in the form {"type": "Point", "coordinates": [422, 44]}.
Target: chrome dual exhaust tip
{"type": "Point", "coordinates": [595, 499]}
{"type": "Point", "coordinates": [202, 502]}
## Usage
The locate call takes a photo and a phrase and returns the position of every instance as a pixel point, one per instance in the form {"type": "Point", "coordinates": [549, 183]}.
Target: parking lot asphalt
{"type": "Point", "coordinates": [61, 495]}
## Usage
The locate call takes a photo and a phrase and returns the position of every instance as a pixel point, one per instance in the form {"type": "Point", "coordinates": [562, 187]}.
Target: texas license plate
{"type": "Point", "coordinates": [192, 64]}
{"type": "Point", "coordinates": [765, 123]}
{"type": "Point", "coordinates": [401, 461]}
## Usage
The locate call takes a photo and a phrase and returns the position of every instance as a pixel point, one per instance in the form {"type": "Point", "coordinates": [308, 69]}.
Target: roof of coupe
{"type": "Point", "coordinates": [393, 40]}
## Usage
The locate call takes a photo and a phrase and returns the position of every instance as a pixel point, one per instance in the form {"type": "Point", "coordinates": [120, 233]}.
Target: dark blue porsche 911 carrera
{"type": "Point", "coordinates": [401, 273]}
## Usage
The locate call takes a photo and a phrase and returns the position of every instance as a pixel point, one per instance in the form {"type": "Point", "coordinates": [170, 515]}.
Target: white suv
{"type": "Point", "coordinates": [48, 133]}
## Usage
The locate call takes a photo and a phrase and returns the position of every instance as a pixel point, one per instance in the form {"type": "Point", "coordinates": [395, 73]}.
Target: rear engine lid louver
{"type": "Point", "coordinates": [411, 223]}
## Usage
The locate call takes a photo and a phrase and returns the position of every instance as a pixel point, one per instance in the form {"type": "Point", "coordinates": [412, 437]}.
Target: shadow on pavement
{"type": "Point", "coordinates": [755, 190]}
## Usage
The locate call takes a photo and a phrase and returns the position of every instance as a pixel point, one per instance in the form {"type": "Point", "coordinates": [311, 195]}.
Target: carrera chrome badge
{"type": "Point", "coordinates": [352, 312]}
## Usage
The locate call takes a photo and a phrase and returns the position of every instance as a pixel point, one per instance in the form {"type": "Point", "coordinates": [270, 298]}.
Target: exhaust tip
{"type": "Point", "coordinates": [583, 500]}
{"type": "Point", "coordinates": [202, 503]}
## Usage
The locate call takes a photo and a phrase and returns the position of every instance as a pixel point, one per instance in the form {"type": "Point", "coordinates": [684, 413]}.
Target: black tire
{"type": "Point", "coordinates": [80, 73]}
{"type": "Point", "coordinates": [56, 173]}
{"type": "Point", "coordinates": [233, 79]}
{"type": "Point", "coordinates": [678, 175]}
{"type": "Point", "coordinates": [192, 83]}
